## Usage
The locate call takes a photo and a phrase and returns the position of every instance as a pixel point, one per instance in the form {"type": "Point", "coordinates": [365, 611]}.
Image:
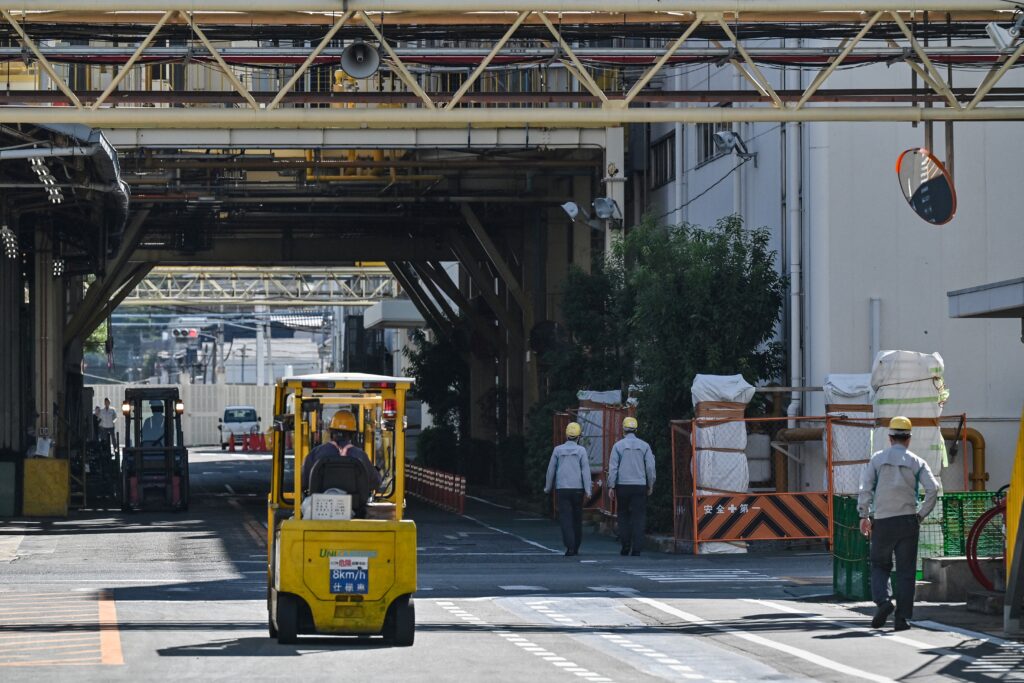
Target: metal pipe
{"type": "Point", "coordinates": [979, 475]}
{"type": "Point", "coordinates": [412, 118]}
{"type": "Point", "coordinates": [554, 7]}
{"type": "Point", "coordinates": [33, 152]}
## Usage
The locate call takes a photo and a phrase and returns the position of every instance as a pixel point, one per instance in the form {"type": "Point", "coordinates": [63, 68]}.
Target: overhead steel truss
{"type": "Point", "coordinates": [184, 286]}
{"type": "Point", "coordinates": [608, 104]}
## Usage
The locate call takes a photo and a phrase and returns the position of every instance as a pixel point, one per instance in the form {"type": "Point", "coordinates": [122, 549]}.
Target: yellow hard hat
{"type": "Point", "coordinates": [629, 424]}
{"type": "Point", "coordinates": [573, 430]}
{"type": "Point", "coordinates": [344, 420]}
{"type": "Point", "coordinates": [900, 424]}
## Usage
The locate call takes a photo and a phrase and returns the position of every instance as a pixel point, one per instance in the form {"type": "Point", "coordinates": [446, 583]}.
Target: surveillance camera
{"type": "Point", "coordinates": [725, 140]}
{"type": "Point", "coordinates": [1004, 38]}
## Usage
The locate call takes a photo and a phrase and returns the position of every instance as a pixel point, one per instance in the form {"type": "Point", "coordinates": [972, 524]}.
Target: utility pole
{"type": "Point", "coordinates": [242, 353]}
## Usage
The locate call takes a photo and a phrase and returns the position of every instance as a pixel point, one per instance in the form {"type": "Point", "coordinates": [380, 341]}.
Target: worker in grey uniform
{"type": "Point", "coordinates": [630, 482]}
{"type": "Point", "coordinates": [569, 476]}
{"type": "Point", "coordinates": [890, 486]}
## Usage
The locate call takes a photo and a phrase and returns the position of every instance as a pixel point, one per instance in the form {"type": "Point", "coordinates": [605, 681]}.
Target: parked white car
{"type": "Point", "coordinates": [237, 420]}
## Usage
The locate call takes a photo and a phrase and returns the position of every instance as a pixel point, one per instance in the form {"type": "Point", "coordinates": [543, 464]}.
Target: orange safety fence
{"type": "Point", "coordinates": [738, 479]}
{"type": "Point", "coordinates": [443, 489]}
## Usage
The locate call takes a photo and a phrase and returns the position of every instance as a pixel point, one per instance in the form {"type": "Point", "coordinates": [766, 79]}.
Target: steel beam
{"type": "Point", "coordinates": [483, 282]}
{"type": "Point", "coordinates": [411, 119]}
{"type": "Point", "coordinates": [280, 251]}
{"type": "Point", "coordinates": [562, 6]}
{"type": "Point", "coordinates": [433, 317]}
{"type": "Point", "coordinates": [491, 250]}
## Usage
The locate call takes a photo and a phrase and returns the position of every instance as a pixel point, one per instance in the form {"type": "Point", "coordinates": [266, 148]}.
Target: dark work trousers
{"type": "Point", "coordinates": [889, 536]}
{"type": "Point", "coordinates": [632, 511]}
{"type": "Point", "coordinates": [570, 516]}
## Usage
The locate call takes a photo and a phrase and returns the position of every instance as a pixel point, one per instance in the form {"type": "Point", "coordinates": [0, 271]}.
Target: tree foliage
{"type": "Point", "coordinates": [706, 300]}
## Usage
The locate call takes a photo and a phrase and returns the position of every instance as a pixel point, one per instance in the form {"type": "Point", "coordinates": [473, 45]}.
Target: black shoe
{"type": "Point", "coordinates": [570, 553]}
{"type": "Point", "coordinates": [881, 614]}
{"type": "Point", "coordinates": [635, 553]}
{"type": "Point", "coordinates": [901, 625]}
{"type": "Point", "coordinates": [625, 550]}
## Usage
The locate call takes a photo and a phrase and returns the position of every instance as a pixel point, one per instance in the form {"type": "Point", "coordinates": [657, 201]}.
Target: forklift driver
{"type": "Point", "coordinates": [343, 431]}
{"type": "Point", "coordinates": [153, 426]}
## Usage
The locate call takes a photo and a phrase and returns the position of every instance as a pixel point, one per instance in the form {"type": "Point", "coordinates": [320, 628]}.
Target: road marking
{"type": "Point", "coordinates": [750, 637]}
{"type": "Point", "coordinates": [110, 637]}
{"type": "Point", "coordinates": [9, 547]}
{"type": "Point", "coordinates": [228, 487]}
{"type": "Point", "coordinates": [522, 588]}
{"type": "Point", "coordinates": [487, 502]}
{"type": "Point", "coordinates": [250, 524]}
{"type": "Point", "coordinates": [509, 533]}
{"type": "Point", "coordinates": [1010, 657]}
{"type": "Point", "coordinates": [525, 644]}
{"type": "Point", "coordinates": [702, 576]}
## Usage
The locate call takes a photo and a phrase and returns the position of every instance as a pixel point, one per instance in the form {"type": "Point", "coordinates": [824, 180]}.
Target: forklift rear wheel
{"type": "Point", "coordinates": [287, 619]}
{"type": "Point", "coordinates": [400, 622]}
{"type": "Point", "coordinates": [223, 446]}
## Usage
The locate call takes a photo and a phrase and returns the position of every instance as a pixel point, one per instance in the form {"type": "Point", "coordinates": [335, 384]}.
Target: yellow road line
{"type": "Point", "coordinates": [249, 523]}
{"type": "Point", "coordinates": [110, 637]}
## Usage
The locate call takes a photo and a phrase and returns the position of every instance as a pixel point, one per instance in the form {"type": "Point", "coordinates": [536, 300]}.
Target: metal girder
{"type": "Point", "coordinates": [613, 108]}
{"type": "Point", "coordinates": [100, 290]}
{"type": "Point", "coordinates": [435, 319]}
{"type": "Point", "coordinates": [264, 286]}
{"type": "Point", "coordinates": [468, 260]}
{"type": "Point", "coordinates": [409, 119]}
{"type": "Point", "coordinates": [281, 251]}
{"type": "Point", "coordinates": [495, 257]}
{"type": "Point", "coordinates": [564, 6]}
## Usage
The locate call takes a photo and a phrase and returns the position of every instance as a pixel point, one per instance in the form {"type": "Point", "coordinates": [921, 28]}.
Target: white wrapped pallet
{"type": "Point", "coordinates": [851, 442]}
{"type": "Point", "coordinates": [722, 466]}
{"type": "Point", "coordinates": [911, 384]}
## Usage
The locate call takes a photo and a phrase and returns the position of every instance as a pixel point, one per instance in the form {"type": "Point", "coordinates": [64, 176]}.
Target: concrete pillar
{"type": "Point", "coordinates": [48, 311]}
{"type": "Point", "coordinates": [12, 334]}
{"type": "Point", "coordinates": [614, 181]}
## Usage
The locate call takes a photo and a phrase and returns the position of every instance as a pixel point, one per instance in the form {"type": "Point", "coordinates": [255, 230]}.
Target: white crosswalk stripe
{"type": "Point", "coordinates": [702, 575]}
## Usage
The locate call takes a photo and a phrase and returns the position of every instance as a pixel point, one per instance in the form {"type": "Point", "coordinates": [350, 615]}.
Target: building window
{"type": "Point", "coordinates": [663, 160]}
{"type": "Point", "coordinates": [706, 149]}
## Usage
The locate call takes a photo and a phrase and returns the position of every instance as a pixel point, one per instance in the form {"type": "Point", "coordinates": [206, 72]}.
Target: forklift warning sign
{"type": "Point", "coordinates": [350, 575]}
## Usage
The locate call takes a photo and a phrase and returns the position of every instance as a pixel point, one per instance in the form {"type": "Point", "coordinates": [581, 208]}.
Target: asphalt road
{"type": "Point", "coordinates": [106, 596]}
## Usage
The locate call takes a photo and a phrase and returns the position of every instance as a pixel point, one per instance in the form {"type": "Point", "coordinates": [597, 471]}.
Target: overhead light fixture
{"type": "Point", "coordinates": [10, 242]}
{"type": "Point", "coordinates": [728, 141]}
{"type": "Point", "coordinates": [58, 267]}
{"type": "Point", "coordinates": [1004, 37]}
{"type": "Point", "coordinates": [47, 179]}
{"type": "Point", "coordinates": [606, 208]}
{"type": "Point", "coordinates": [573, 210]}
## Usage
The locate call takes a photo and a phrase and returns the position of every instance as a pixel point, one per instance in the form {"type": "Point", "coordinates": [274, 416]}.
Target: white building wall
{"type": "Point", "coordinates": [862, 241]}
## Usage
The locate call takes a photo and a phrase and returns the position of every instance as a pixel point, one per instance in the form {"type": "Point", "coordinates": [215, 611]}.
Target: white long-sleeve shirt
{"type": "Point", "coordinates": [890, 484]}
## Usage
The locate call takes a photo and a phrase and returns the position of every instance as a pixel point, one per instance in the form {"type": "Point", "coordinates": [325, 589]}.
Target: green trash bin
{"type": "Point", "coordinates": [851, 569]}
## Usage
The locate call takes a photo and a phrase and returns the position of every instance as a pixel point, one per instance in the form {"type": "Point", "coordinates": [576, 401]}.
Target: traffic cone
{"type": "Point", "coordinates": [231, 443]}
{"type": "Point", "coordinates": [261, 443]}
{"type": "Point", "coordinates": [245, 443]}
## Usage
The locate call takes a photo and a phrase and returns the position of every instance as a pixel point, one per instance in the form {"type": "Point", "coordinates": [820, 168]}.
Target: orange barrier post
{"type": "Point", "coordinates": [231, 443]}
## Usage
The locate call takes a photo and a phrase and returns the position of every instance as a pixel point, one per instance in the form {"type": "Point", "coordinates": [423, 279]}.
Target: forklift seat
{"type": "Point", "coordinates": [346, 474]}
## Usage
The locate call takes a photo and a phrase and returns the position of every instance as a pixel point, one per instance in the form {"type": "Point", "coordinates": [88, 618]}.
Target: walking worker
{"type": "Point", "coordinates": [569, 476]}
{"type": "Point", "coordinates": [889, 486]}
{"type": "Point", "coordinates": [630, 481]}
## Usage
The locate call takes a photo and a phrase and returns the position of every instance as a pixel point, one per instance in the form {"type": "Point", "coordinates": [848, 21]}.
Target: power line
{"type": "Point", "coordinates": [706, 190]}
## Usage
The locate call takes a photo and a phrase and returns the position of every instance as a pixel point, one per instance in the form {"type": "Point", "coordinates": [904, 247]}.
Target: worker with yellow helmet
{"type": "Point", "coordinates": [343, 430]}
{"type": "Point", "coordinates": [631, 481]}
{"type": "Point", "coordinates": [889, 492]}
{"type": "Point", "coordinates": [569, 476]}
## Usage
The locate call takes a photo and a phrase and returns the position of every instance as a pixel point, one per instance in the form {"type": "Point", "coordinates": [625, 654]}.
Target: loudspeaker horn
{"type": "Point", "coordinates": [360, 60]}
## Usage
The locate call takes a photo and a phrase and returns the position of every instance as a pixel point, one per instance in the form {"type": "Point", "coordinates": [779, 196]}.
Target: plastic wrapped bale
{"type": "Point", "coordinates": [722, 465]}
{"type": "Point", "coordinates": [849, 396]}
{"type": "Point", "coordinates": [911, 384]}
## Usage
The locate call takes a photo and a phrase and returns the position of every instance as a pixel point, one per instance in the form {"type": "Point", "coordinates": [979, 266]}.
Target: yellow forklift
{"type": "Point", "coordinates": [339, 561]}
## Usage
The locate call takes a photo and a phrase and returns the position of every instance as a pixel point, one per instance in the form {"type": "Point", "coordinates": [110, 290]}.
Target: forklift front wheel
{"type": "Point", "coordinates": [287, 619]}
{"type": "Point", "coordinates": [400, 622]}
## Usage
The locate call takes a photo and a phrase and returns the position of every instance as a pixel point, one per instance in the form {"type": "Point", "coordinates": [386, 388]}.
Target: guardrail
{"type": "Point", "coordinates": [443, 489]}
